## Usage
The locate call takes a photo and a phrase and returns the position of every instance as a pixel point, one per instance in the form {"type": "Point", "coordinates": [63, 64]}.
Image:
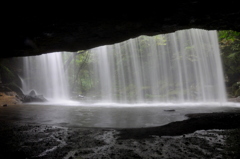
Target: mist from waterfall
{"type": "Point", "coordinates": [179, 67]}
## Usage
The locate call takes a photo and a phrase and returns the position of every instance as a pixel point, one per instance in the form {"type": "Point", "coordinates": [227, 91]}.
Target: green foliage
{"type": "Point", "coordinates": [77, 65]}
{"type": "Point", "coordinates": [6, 74]}
{"type": "Point", "coordinates": [230, 50]}
{"type": "Point", "coordinates": [228, 36]}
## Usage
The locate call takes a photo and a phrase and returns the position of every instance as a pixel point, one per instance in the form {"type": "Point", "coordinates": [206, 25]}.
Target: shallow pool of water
{"type": "Point", "coordinates": [106, 115]}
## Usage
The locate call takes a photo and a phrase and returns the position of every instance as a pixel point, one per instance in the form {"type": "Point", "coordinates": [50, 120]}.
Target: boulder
{"type": "Point", "coordinates": [33, 93]}
{"type": "Point", "coordinates": [33, 97]}
{"type": "Point", "coordinates": [169, 110]}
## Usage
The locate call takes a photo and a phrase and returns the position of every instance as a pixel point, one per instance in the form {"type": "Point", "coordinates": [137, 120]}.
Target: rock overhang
{"type": "Point", "coordinates": [37, 32]}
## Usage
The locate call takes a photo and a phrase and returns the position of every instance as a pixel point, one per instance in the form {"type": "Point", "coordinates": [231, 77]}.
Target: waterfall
{"type": "Point", "coordinates": [184, 66]}
{"type": "Point", "coordinates": [179, 67]}
{"type": "Point", "coordinates": [45, 74]}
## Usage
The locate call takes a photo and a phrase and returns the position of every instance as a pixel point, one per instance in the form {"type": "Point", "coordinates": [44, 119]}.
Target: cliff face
{"type": "Point", "coordinates": [32, 30]}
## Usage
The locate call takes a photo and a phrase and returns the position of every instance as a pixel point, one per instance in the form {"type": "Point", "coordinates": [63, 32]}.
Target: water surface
{"type": "Point", "coordinates": [107, 116]}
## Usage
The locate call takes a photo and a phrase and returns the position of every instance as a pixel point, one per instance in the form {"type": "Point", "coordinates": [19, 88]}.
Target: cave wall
{"type": "Point", "coordinates": [33, 30]}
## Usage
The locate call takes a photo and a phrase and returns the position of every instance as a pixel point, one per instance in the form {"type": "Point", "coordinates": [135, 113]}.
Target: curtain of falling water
{"type": "Point", "coordinates": [186, 67]}
{"type": "Point", "coordinates": [45, 75]}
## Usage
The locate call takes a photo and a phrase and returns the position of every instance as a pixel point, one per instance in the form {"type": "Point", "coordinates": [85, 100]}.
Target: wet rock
{"type": "Point", "coordinates": [9, 97]}
{"type": "Point", "coordinates": [33, 97]}
{"type": "Point", "coordinates": [170, 110]}
{"type": "Point", "coordinates": [76, 154]}
{"type": "Point", "coordinates": [32, 93]}
{"type": "Point", "coordinates": [5, 105]}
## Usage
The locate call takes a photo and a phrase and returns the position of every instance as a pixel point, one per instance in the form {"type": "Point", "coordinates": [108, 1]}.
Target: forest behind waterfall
{"type": "Point", "coordinates": [80, 64]}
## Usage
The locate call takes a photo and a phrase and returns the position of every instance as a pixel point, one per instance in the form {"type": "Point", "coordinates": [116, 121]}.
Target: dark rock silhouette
{"type": "Point", "coordinates": [74, 30]}
{"type": "Point", "coordinates": [33, 97]}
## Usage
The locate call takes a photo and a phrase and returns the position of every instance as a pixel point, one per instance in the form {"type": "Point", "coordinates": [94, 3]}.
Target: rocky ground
{"type": "Point", "coordinates": [206, 135]}
{"type": "Point", "coordinates": [214, 135]}
{"type": "Point", "coordinates": [9, 98]}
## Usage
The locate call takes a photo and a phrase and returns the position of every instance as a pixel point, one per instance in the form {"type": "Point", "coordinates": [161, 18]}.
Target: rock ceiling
{"type": "Point", "coordinates": [32, 32]}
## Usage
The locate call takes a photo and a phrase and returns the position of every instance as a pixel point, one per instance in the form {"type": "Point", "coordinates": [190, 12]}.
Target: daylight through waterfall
{"type": "Point", "coordinates": [184, 66]}
{"type": "Point", "coordinates": [179, 67]}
